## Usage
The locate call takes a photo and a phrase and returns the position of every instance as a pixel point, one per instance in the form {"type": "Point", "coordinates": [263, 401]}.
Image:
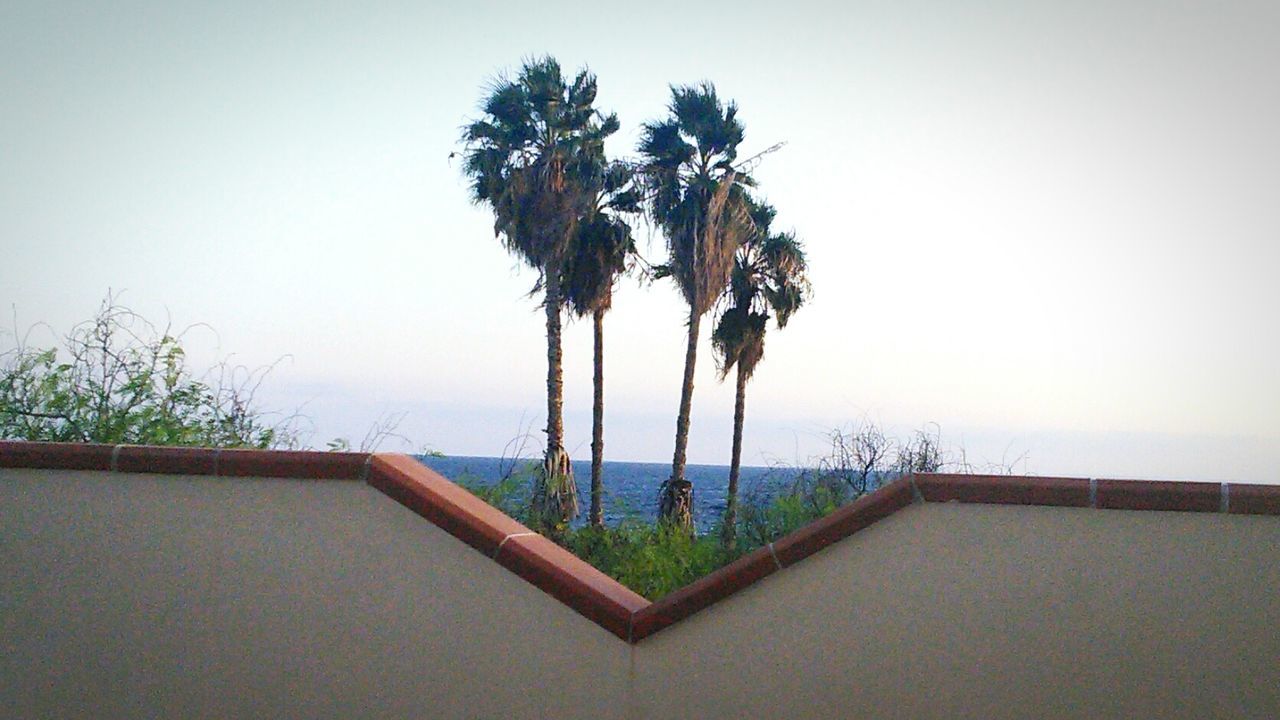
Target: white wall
{"type": "Point", "coordinates": [162, 596]}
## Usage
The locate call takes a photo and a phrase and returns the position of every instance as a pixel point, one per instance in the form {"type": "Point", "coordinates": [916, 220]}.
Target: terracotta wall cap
{"type": "Point", "coordinates": [55, 456]}
{"type": "Point", "coordinates": [573, 581]}
{"type": "Point", "coordinates": [449, 506]}
{"type": "Point", "coordinates": [703, 592]}
{"type": "Point", "coordinates": [1253, 499]}
{"type": "Point", "coordinates": [174, 460]}
{"type": "Point", "coordinates": [1159, 495]}
{"type": "Point", "coordinates": [844, 522]}
{"type": "Point", "coordinates": [1004, 489]}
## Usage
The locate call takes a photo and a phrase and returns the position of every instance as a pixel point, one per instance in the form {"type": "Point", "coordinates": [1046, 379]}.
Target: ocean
{"type": "Point", "coordinates": [631, 488]}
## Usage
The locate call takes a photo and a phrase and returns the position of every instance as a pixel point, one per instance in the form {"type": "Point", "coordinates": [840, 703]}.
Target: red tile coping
{"type": "Point", "coordinates": [1253, 499]}
{"type": "Point", "coordinates": [294, 464]}
{"type": "Point", "coordinates": [1004, 490]}
{"type": "Point", "coordinates": [1153, 495]}
{"type": "Point", "coordinates": [169, 460]}
{"type": "Point", "coordinates": [548, 566]}
{"type": "Point", "coordinates": [703, 592]}
{"type": "Point", "coordinates": [449, 506]}
{"type": "Point", "coordinates": [219, 462]}
{"type": "Point", "coordinates": [590, 592]}
{"type": "Point", "coordinates": [572, 581]}
{"type": "Point", "coordinates": [844, 522]}
{"type": "Point", "coordinates": [55, 456]}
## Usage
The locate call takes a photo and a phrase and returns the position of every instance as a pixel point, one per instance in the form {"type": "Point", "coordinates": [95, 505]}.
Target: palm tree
{"type": "Point", "coordinates": [698, 199]}
{"type": "Point", "coordinates": [768, 280]}
{"type": "Point", "coordinates": [531, 159]}
{"type": "Point", "coordinates": [601, 247]}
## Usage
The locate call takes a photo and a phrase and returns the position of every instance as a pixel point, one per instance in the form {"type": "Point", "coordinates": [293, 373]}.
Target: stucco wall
{"type": "Point", "coordinates": [165, 596]}
{"type": "Point", "coordinates": [981, 611]}
{"type": "Point", "coordinates": [134, 596]}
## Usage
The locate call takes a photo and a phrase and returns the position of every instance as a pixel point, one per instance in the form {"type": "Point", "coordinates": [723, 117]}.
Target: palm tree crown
{"type": "Point", "coordinates": [533, 156]}
{"type": "Point", "coordinates": [696, 195]}
{"type": "Point", "coordinates": [768, 280]}
{"type": "Point", "coordinates": [603, 240]}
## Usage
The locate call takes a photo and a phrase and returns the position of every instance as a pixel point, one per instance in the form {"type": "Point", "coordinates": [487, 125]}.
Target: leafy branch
{"type": "Point", "coordinates": [118, 378]}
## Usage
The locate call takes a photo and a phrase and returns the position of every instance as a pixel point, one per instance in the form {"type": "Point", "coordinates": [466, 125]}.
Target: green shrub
{"type": "Point", "coordinates": [814, 495]}
{"type": "Point", "coordinates": [510, 494]}
{"type": "Point", "coordinates": [652, 560]}
{"type": "Point", "coordinates": [119, 379]}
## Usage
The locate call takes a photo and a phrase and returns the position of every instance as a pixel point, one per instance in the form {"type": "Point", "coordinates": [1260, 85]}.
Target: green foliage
{"type": "Point", "coordinates": [652, 560]}
{"type": "Point", "coordinates": [814, 496]}
{"type": "Point", "coordinates": [117, 379]}
{"type": "Point", "coordinates": [511, 494]}
{"type": "Point", "coordinates": [769, 280]}
{"type": "Point", "coordinates": [602, 242]}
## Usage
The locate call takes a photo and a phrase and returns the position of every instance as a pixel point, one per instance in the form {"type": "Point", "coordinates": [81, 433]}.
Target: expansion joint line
{"type": "Point", "coordinates": [1224, 498]}
{"type": "Point", "coordinates": [512, 535]}
{"type": "Point", "coordinates": [776, 561]}
{"type": "Point", "coordinates": [916, 495]}
{"type": "Point", "coordinates": [115, 458]}
{"type": "Point", "coordinates": [1093, 493]}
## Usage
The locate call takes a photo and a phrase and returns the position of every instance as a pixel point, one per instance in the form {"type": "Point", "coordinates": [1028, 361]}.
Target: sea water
{"type": "Point", "coordinates": [631, 488]}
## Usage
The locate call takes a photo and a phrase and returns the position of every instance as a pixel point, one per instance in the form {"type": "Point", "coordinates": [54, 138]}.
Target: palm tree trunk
{"type": "Point", "coordinates": [555, 373]}
{"type": "Point", "coordinates": [555, 501]}
{"type": "Point", "coordinates": [676, 503]}
{"type": "Point", "coordinates": [729, 532]}
{"type": "Point", "coordinates": [597, 426]}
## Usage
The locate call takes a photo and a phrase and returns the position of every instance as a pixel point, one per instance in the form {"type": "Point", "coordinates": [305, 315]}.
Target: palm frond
{"type": "Point", "coordinates": [532, 157]}
{"type": "Point", "coordinates": [738, 340]}
{"type": "Point", "coordinates": [694, 193]}
{"type": "Point", "coordinates": [603, 241]}
{"type": "Point", "coordinates": [769, 280]}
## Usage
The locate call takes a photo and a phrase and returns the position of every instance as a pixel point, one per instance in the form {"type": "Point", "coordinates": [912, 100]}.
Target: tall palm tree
{"type": "Point", "coordinates": [698, 199]}
{"type": "Point", "coordinates": [768, 280]}
{"type": "Point", "coordinates": [531, 159]}
{"type": "Point", "coordinates": [599, 255]}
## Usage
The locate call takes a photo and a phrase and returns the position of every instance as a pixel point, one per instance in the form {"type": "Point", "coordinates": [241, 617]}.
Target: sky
{"type": "Point", "coordinates": [1051, 229]}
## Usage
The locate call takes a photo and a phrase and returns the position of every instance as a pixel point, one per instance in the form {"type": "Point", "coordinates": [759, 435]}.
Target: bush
{"type": "Point", "coordinates": [510, 494]}
{"type": "Point", "coordinates": [764, 520]}
{"type": "Point", "coordinates": [118, 379]}
{"type": "Point", "coordinates": [652, 560]}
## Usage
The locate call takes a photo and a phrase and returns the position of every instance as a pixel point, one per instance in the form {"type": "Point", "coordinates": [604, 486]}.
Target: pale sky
{"type": "Point", "coordinates": [1051, 228]}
